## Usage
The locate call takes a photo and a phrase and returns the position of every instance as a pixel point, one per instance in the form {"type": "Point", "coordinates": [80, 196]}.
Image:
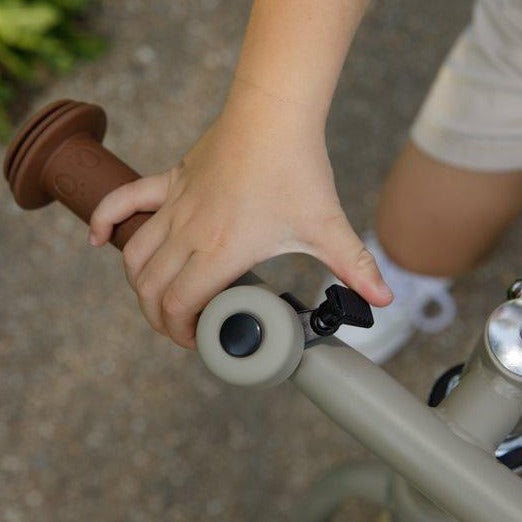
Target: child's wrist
{"type": "Point", "coordinates": [261, 106]}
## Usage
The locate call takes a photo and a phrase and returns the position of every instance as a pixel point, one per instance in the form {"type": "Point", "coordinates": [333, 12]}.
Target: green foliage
{"type": "Point", "coordinates": [38, 37]}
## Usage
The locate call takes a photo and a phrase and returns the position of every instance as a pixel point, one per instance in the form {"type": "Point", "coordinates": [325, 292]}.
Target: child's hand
{"type": "Point", "coordinates": [257, 184]}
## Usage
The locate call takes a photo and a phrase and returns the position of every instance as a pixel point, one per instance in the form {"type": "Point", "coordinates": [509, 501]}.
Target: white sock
{"type": "Point", "coordinates": [415, 291]}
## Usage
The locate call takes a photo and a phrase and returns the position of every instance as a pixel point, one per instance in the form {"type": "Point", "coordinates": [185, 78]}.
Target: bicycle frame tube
{"type": "Point", "coordinates": [457, 476]}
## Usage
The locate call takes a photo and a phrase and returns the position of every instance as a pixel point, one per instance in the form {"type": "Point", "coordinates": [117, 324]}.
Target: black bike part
{"type": "Point", "coordinates": [342, 306]}
{"type": "Point", "coordinates": [441, 387]}
{"type": "Point", "coordinates": [240, 335]}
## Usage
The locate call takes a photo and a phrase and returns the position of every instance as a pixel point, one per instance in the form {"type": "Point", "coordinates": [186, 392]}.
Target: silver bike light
{"type": "Point", "coordinates": [504, 331]}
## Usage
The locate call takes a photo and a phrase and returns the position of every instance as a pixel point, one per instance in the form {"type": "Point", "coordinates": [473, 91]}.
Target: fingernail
{"type": "Point", "coordinates": [92, 239]}
{"type": "Point", "coordinates": [384, 290]}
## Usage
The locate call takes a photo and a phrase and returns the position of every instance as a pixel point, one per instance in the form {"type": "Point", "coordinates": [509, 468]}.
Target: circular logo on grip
{"type": "Point", "coordinates": [87, 158]}
{"type": "Point", "coordinates": [65, 184]}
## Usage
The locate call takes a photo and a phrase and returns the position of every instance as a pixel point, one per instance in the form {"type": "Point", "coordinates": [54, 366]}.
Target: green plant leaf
{"type": "Point", "coordinates": [15, 64]}
{"type": "Point", "coordinates": [6, 92]}
{"type": "Point", "coordinates": [22, 26]}
{"type": "Point", "coordinates": [56, 54]}
{"type": "Point", "coordinates": [88, 46]}
{"type": "Point", "coordinates": [5, 124]}
{"type": "Point", "coordinates": [74, 6]}
{"type": "Point", "coordinates": [39, 35]}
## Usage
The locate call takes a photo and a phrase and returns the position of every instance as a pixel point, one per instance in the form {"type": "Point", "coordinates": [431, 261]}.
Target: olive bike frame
{"type": "Point", "coordinates": [443, 457]}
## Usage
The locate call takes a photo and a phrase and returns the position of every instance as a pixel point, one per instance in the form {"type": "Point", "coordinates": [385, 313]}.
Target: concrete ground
{"type": "Point", "coordinates": [100, 419]}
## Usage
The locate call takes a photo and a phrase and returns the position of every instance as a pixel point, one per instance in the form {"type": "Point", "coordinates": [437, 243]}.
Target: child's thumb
{"type": "Point", "coordinates": [345, 254]}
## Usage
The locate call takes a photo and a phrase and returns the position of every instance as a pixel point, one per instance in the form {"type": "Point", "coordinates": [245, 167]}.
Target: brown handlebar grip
{"type": "Point", "coordinates": [81, 173]}
{"type": "Point", "coordinates": [58, 155]}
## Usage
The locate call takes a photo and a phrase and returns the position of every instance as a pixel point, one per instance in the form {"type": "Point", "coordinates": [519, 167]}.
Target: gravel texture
{"type": "Point", "coordinates": [100, 418]}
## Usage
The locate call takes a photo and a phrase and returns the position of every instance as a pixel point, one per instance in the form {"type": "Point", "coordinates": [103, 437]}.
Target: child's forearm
{"type": "Point", "coordinates": [294, 50]}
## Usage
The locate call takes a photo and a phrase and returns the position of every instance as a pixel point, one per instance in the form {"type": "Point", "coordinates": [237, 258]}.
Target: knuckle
{"type": "Point", "coordinates": [365, 260]}
{"type": "Point", "coordinates": [99, 216]}
{"type": "Point", "coordinates": [338, 218]}
{"type": "Point", "coordinates": [158, 327]}
{"type": "Point", "coordinates": [172, 305]}
{"type": "Point", "coordinates": [183, 341]}
{"type": "Point", "coordinates": [96, 217]}
{"type": "Point", "coordinates": [325, 228]}
{"type": "Point", "coordinates": [145, 288]}
{"type": "Point", "coordinates": [218, 238]}
{"type": "Point", "coordinates": [130, 190]}
{"type": "Point", "coordinates": [129, 256]}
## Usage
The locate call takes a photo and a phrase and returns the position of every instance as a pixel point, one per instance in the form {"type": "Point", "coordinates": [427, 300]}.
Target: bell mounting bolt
{"type": "Point", "coordinates": [58, 155]}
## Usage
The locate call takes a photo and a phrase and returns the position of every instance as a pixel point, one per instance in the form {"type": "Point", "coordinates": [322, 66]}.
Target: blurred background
{"type": "Point", "coordinates": [100, 418]}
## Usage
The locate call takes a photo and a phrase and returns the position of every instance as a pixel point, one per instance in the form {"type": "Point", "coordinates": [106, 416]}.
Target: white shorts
{"type": "Point", "coordinates": [472, 116]}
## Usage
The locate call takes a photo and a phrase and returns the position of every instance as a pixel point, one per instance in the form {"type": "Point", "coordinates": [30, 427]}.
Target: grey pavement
{"type": "Point", "coordinates": [100, 418]}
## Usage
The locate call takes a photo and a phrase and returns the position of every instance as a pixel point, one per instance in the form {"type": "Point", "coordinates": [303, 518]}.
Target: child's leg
{"type": "Point", "coordinates": [441, 220]}
{"type": "Point", "coordinates": [457, 184]}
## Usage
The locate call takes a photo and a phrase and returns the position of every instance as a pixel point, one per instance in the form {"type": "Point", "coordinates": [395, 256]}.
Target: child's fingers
{"type": "Point", "coordinates": [344, 253]}
{"type": "Point", "coordinates": [143, 244]}
{"type": "Point", "coordinates": [204, 276]}
{"type": "Point", "coordinates": [145, 194]}
{"type": "Point", "coordinates": [154, 278]}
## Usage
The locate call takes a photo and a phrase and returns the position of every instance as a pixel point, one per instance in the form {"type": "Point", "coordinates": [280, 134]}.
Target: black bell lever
{"type": "Point", "coordinates": [342, 306]}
